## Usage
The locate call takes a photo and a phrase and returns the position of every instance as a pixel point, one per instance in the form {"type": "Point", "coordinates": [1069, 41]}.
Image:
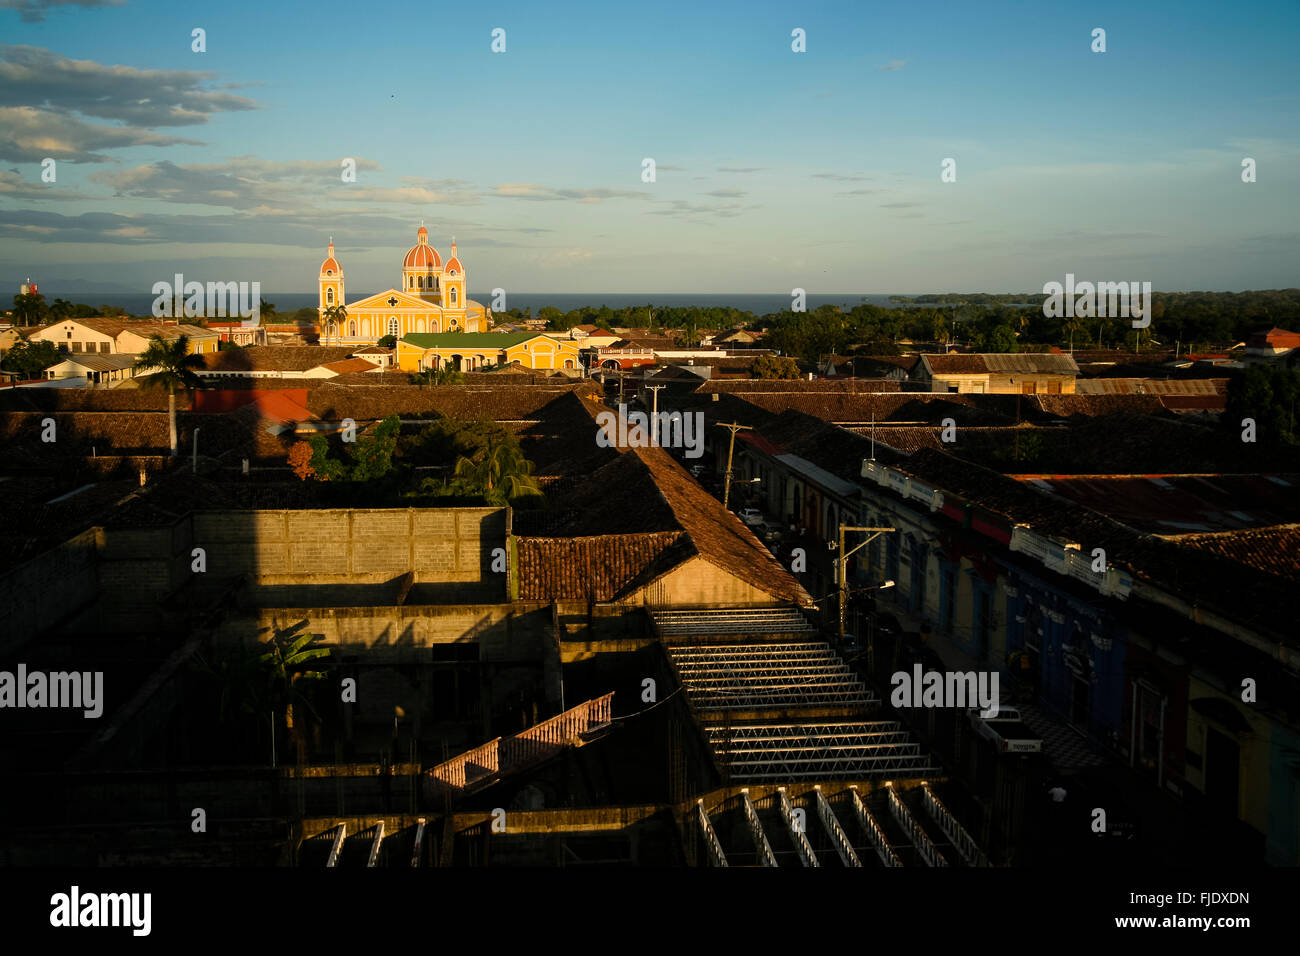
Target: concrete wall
{"type": "Point", "coordinates": [697, 583]}
{"type": "Point", "coordinates": [46, 591]}
{"type": "Point", "coordinates": [395, 634]}
{"type": "Point", "coordinates": [352, 546]}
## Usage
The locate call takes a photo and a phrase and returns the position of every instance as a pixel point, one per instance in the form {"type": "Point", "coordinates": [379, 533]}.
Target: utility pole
{"type": "Point", "coordinates": [733, 427]}
{"type": "Point", "coordinates": [844, 556]}
{"type": "Point", "coordinates": [654, 415]}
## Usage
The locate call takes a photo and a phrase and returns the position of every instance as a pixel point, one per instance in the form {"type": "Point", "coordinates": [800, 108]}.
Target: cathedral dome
{"type": "Point", "coordinates": [331, 265]}
{"type": "Point", "coordinates": [422, 255]}
{"type": "Point", "coordinates": [454, 267]}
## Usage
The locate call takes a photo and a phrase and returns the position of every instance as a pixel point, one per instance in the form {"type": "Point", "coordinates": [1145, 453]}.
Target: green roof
{"type": "Point", "coordinates": [467, 340]}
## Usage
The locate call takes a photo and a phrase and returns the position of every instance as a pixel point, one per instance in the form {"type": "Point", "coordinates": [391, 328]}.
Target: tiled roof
{"type": "Point", "coordinates": [1275, 551]}
{"type": "Point", "coordinates": [350, 365]}
{"type": "Point", "coordinates": [803, 386]}
{"type": "Point", "coordinates": [505, 402]}
{"type": "Point", "coordinates": [275, 358]}
{"type": "Point", "coordinates": [644, 491]}
{"type": "Point", "coordinates": [1027, 363]}
{"type": "Point", "coordinates": [1153, 386]}
{"type": "Point", "coordinates": [99, 362]}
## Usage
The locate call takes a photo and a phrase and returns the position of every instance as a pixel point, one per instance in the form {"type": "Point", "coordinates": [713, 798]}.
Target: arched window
{"type": "Point", "coordinates": [453, 296]}
{"type": "Point", "coordinates": [329, 272]}
{"type": "Point", "coordinates": [352, 328]}
{"type": "Point", "coordinates": [329, 296]}
{"type": "Point", "coordinates": [392, 325]}
{"type": "Point", "coordinates": [419, 282]}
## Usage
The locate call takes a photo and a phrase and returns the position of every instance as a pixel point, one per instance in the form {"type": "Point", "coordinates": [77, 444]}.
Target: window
{"type": "Point", "coordinates": [103, 346]}
{"type": "Point", "coordinates": [352, 328]}
{"type": "Point", "coordinates": [419, 282]}
{"type": "Point", "coordinates": [393, 328]}
{"type": "Point", "coordinates": [1054, 387]}
{"type": "Point", "coordinates": [329, 296]}
{"type": "Point", "coordinates": [1028, 388]}
{"type": "Point", "coordinates": [453, 296]}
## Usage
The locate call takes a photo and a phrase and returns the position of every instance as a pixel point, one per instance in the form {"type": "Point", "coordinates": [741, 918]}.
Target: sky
{"type": "Point", "coordinates": [774, 169]}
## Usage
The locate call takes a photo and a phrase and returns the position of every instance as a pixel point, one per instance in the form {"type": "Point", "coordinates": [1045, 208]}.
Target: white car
{"type": "Point", "coordinates": [751, 516]}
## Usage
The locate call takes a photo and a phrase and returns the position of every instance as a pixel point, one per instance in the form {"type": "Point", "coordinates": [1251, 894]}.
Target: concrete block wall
{"type": "Point", "coordinates": [352, 546]}
{"type": "Point", "coordinates": [47, 591]}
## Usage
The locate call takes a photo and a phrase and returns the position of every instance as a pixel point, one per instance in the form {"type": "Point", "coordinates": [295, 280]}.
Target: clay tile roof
{"type": "Point", "coordinates": [275, 358]}
{"type": "Point", "coordinates": [350, 365]}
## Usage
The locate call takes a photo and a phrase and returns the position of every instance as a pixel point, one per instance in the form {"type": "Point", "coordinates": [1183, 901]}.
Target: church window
{"type": "Point", "coordinates": [392, 325]}
{"type": "Point", "coordinates": [453, 296]}
{"type": "Point", "coordinates": [329, 299]}
{"type": "Point", "coordinates": [352, 328]}
{"type": "Point", "coordinates": [419, 282]}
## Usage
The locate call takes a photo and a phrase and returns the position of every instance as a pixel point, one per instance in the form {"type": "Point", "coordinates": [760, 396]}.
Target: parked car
{"type": "Point", "coordinates": [751, 516]}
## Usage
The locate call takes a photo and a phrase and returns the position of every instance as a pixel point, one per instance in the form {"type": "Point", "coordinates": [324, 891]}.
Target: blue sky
{"type": "Point", "coordinates": [775, 169]}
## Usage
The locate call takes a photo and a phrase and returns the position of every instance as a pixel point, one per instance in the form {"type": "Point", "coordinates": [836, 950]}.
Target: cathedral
{"type": "Point", "coordinates": [431, 298]}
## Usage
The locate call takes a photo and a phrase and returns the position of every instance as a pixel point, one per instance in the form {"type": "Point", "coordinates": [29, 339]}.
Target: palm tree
{"type": "Point", "coordinates": [285, 660]}
{"type": "Point", "coordinates": [174, 369]}
{"type": "Point", "coordinates": [60, 308]}
{"type": "Point", "coordinates": [501, 474]}
{"type": "Point", "coordinates": [336, 314]}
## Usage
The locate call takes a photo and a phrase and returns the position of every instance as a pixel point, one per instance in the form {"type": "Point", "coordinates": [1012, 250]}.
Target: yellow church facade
{"type": "Point", "coordinates": [432, 298]}
{"type": "Point", "coordinates": [467, 352]}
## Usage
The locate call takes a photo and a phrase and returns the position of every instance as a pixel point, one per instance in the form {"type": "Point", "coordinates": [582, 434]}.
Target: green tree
{"type": "Point", "coordinates": [60, 309]}
{"type": "Point", "coordinates": [775, 366]}
{"type": "Point", "coordinates": [388, 342]}
{"type": "Point", "coordinates": [32, 358]}
{"type": "Point", "coordinates": [173, 368]}
{"type": "Point", "coordinates": [286, 666]}
{"type": "Point", "coordinates": [336, 314]}
{"type": "Point", "coordinates": [1268, 394]}
{"type": "Point", "coordinates": [442, 376]}
{"type": "Point", "coordinates": [500, 475]}
{"type": "Point", "coordinates": [30, 309]}
{"type": "Point", "coordinates": [370, 456]}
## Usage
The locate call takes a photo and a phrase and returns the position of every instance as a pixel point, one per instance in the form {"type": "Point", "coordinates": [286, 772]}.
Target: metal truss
{"type": "Point", "coordinates": [929, 852]}
{"type": "Point", "coordinates": [419, 842]}
{"type": "Point", "coordinates": [340, 833]}
{"type": "Point", "coordinates": [892, 760]}
{"type": "Point", "coordinates": [743, 737]}
{"type": "Point", "coordinates": [961, 840]}
{"type": "Point", "coordinates": [710, 836]}
{"type": "Point", "coordinates": [747, 653]}
{"type": "Point", "coordinates": [735, 621]}
{"type": "Point", "coordinates": [797, 835]}
{"type": "Point", "coordinates": [874, 833]}
{"type": "Point", "coordinates": [831, 824]}
{"type": "Point", "coordinates": [375, 844]}
{"type": "Point", "coordinates": [761, 845]}
{"type": "Point", "coordinates": [738, 696]}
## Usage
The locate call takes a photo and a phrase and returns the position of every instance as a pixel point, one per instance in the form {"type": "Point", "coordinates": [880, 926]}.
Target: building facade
{"type": "Point", "coordinates": [431, 298]}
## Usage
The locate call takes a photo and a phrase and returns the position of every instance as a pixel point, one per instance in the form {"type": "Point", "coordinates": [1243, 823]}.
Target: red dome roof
{"type": "Point", "coordinates": [331, 264]}
{"type": "Point", "coordinates": [453, 265]}
{"type": "Point", "coordinates": [422, 255]}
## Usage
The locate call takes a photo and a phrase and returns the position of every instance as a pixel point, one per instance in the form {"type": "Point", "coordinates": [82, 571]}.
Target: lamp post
{"type": "Point", "coordinates": [733, 427]}
{"type": "Point", "coordinates": [844, 555]}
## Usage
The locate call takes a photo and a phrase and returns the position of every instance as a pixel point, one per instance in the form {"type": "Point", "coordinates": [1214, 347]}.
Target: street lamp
{"type": "Point", "coordinates": [872, 534]}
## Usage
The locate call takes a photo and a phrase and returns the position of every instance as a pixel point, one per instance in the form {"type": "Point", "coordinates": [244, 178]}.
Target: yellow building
{"type": "Point", "coordinates": [111, 337]}
{"type": "Point", "coordinates": [466, 351]}
{"type": "Point", "coordinates": [431, 298]}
